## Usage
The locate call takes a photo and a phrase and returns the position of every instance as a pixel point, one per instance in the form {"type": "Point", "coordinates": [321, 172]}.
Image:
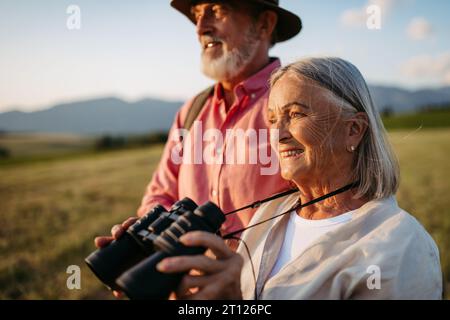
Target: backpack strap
{"type": "Point", "coordinates": [196, 107]}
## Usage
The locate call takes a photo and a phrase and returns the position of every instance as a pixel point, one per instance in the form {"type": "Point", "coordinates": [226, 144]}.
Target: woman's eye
{"type": "Point", "coordinates": [297, 114]}
{"type": "Point", "coordinates": [272, 121]}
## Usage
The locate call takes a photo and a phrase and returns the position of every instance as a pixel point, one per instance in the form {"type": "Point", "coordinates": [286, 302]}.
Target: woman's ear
{"type": "Point", "coordinates": [356, 128]}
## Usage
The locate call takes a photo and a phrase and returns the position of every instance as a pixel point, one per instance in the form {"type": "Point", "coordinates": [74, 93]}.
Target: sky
{"type": "Point", "coordinates": [143, 48]}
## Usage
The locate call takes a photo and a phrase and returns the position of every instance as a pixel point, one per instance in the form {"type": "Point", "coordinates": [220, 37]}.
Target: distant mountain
{"type": "Point", "coordinates": [98, 116]}
{"type": "Point", "coordinates": [115, 116]}
{"type": "Point", "coordinates": [401, 100]}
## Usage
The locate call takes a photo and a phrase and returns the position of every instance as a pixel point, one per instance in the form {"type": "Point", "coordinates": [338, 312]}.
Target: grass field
{"type": "Point", "coordinates": [52, 210]}
{"type": "Point", "coordinates": [26, 145]}
{"type": "Point", "coordinates": [426, 120]}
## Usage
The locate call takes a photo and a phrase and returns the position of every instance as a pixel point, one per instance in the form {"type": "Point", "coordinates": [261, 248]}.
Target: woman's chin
{"type": "Point", "coordinates": [291, 175]}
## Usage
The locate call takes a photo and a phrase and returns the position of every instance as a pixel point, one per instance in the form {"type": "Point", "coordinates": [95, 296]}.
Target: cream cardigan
{"type": "Point", "coordinates": [382, 253]}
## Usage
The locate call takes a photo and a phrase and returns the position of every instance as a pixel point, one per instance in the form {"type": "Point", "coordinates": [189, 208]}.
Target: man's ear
{"type": "Point", "coordinates": [267, 22]}
{"type": "Point", "coordinates": [356, 128]}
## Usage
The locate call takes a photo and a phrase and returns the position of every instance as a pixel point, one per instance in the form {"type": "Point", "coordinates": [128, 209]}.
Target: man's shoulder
{"type": "Point", "coordinates": [187, 105]}
{"type": "Point", "coordinates": [195, 105]}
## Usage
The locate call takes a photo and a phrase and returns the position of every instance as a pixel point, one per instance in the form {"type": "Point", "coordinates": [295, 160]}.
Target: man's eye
{"type": "Point", "coordinates": [218, 11]}
{"type": "Point", "coordinates": [196, 15]}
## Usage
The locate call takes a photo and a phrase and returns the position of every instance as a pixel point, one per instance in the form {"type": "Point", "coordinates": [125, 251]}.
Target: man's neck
{"type": "Point", "coordinates": [228, 85]}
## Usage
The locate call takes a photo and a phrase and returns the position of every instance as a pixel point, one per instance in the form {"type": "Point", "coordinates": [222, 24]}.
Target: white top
{"type": "Point", "coordinates": [301, 233]}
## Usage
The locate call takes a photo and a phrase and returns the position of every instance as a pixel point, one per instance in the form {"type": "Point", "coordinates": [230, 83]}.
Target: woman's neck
{"type": "Point", "coordinates": [330, 207]}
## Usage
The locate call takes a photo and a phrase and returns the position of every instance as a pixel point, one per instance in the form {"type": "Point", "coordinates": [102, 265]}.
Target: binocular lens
{"type": "Point", "coordinates": [111, 261]}
{"type": "Point", "coordinates": [143, 281]}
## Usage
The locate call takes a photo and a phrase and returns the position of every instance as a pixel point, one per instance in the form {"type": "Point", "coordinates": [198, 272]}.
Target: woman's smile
{"type": "Point", "coordinates": [291, 154]}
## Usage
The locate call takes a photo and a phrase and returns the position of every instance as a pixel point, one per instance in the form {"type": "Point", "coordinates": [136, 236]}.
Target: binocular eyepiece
{"type": "Point", "coordinates": [128, 264]}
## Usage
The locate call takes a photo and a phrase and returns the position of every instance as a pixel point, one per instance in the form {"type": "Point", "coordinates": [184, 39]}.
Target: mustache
{"type": "Point", "coordinates": [206, 39]}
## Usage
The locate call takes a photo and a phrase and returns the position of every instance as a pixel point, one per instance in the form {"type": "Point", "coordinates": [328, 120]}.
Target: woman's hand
{"type": "Point", "coordinates": [218, 272]}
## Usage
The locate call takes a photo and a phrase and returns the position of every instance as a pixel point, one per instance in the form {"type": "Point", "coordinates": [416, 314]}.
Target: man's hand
{"type": "Point", "coordinates": [217, 278]}
{"type": "Point", "coordinates": [116, 232]}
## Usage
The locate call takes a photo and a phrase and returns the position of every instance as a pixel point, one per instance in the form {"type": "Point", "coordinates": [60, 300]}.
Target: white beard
{"type": "Point", "coordinates": [231, 63]}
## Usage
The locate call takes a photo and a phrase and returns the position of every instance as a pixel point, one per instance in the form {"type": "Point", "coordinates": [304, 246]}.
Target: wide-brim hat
{"type": "Point", "coordinates": [288, 26]}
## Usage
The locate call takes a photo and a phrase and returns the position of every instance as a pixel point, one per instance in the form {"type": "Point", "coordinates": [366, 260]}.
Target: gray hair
{"type": "Point", "coordinates": [376, 167]}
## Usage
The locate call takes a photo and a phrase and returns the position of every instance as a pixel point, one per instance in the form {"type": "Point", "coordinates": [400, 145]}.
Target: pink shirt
{"type": "Point", "coordinates": [212, 167]}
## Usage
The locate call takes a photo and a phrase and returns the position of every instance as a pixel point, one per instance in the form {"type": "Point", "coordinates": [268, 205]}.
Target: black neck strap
{"type": "Point", "coordinates": [258, 203]}
{"type": "Point", "coordinates": [296, 206]}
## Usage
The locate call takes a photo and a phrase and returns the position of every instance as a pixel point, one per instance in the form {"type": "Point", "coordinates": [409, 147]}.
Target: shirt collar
{"type": "Point", "coordinates": [253, 84]}
{"type": "Point", "coordinates": [261, 79]}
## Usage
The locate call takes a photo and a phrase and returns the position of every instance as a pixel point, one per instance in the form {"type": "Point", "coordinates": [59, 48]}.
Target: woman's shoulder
{"type": "Point", "coordinates": [398, 220]}
{"type": "Point", "coordinates": [419, 237]}
{"type": "Point", "coordinates": [391, 223]}
{"type": "Point", "coordinates": [397, 240]}
{"type": "Point", "coordinates": [403, 249]}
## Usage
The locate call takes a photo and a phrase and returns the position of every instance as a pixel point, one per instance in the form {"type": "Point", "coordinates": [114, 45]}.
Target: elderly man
{"type": "Point", "coordinates": [235, 38]}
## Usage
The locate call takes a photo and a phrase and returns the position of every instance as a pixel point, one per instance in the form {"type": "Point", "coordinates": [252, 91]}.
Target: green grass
{"type": "Point", "coordinates": [424, 120]}
{"type": "Point", "coordinates": [32, 148]}
{"type": "Point", "coordinates": [33, 145]}
{"type": "Point", "coordinates": [425, 184]}
{"type": "Point", "coordinates": [52, 210]}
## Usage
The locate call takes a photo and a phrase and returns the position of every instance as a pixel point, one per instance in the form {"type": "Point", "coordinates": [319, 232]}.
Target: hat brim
{"type": "Point", "coordinates": [288, 26]}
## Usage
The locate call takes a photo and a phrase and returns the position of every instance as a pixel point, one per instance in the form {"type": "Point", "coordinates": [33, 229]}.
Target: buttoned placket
{"type": "Point", "coordinates": [230, 120]}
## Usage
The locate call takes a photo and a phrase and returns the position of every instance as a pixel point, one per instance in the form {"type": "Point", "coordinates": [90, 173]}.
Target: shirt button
{"type": "Point", "coordinates": [253, 96]}
{"type": "Point", "coordinates": [214, 193]}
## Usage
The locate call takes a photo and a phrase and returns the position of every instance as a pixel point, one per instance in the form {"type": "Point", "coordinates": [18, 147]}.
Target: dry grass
{"type": "Point", "coordinates": [51, 211]}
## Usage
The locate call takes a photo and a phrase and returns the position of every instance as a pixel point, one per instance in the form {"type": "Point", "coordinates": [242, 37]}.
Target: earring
{"type": "Point", "coordinates": [352, 149]}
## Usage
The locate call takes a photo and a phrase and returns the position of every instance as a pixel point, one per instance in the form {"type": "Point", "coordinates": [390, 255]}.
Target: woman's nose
{"type": "Point", "coordinates": [283, 130]}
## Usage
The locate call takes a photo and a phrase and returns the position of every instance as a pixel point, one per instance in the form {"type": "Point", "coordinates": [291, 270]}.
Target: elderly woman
{"type": "Point", "coordinates": [357, 244]}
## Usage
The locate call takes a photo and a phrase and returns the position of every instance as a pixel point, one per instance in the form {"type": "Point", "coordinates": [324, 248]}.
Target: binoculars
{"type": "Point", "coordinates": [128, 264]}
